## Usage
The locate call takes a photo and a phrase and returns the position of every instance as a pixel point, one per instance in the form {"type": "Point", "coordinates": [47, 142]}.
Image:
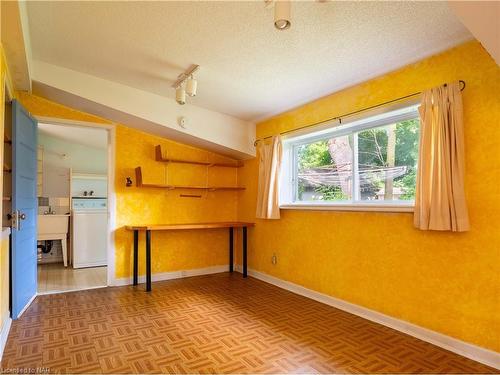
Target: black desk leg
{"type": "Point", "coordinates": [245, 252]}
{"type": "Point", "coordinates": [148, 261]}
{"type": "Point", "coordinates": [231, 260]}
{"type": "Point", "coordinates": [136, 257]}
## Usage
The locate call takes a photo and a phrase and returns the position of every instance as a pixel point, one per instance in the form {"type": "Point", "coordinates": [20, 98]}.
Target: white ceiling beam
{"type": "Point", "coordinates": [482, 20]}
{"type": "Point", "coordinates": [16, 43]}
{"type": "Point", "coordinates": [145, 111]}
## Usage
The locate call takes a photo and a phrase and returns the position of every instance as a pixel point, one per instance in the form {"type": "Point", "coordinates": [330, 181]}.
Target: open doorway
{"type": "Point", "coordinates": [73, 220]}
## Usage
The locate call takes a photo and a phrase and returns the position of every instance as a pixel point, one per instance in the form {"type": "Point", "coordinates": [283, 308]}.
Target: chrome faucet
{"type": "Point", "coordinates": [50, 211]}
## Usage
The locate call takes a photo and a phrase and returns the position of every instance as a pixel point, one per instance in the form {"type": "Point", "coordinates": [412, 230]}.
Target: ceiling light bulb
{"type": "Point", "coordinates": [191, 86]}
{"type": "Point", "coordinates": [282, 14]}
{"type": "Point", "coordinates": [180, 95]}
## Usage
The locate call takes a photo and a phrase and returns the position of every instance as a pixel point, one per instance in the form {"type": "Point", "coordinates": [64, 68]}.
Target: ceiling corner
{"type": "Point", "coordinates": [481, 18]}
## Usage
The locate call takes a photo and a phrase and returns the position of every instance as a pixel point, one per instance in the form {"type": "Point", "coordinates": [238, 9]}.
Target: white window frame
{"type": "Point", "coordinates": [289, 167]}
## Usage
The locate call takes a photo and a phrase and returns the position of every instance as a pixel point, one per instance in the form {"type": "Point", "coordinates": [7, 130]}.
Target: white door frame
{"type": "Point", "coordinates": [111, 130]}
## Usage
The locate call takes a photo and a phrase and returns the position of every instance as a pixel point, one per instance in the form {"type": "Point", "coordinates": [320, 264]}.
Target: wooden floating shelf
{"type": "Point", "coordinates": [159, 157]}
{"type": "Point", "coordinates": [139, 183]}
{"type": "Point", "coordinates": [6, 199]}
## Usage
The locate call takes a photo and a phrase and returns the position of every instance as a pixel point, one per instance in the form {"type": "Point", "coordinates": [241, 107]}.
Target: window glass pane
{"type": "Point", "coordinates": [387, 161]}
{"type": "Point", "coordinates": [324, 170]}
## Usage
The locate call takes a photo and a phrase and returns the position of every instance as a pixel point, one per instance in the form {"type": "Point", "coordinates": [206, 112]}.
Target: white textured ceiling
{"type": "Point", "coordinates": [248, 69]}
{"type": "Point", "coordinates": [86, 136]}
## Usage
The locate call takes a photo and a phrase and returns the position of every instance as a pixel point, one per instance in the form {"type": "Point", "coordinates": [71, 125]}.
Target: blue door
{"type": "Point", "coordinates": [24, 209]}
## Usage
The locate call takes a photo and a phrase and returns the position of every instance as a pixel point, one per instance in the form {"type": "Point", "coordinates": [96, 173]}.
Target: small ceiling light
{"type": "Point", "coordinates": [191, 86]}
{"type": "Point", "coordinates": [282, 14]}
{"type": "Point", "coordinates": [180, 95]}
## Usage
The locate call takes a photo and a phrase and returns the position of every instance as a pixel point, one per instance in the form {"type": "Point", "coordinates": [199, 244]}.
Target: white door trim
{"type": "Point", "coordinates": [4, 334]}
{"type": "Point", "coordinates": [111, 129]}
{"type": "Point", "coordinates": [27, 306]}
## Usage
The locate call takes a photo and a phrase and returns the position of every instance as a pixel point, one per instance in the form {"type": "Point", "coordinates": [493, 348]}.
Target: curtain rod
{"type": "Point", "coordinates": [462, 83]}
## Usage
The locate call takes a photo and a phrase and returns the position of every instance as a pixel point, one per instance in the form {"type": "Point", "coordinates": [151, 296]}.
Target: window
{"type": "Point", "coordinates": [370, 163]}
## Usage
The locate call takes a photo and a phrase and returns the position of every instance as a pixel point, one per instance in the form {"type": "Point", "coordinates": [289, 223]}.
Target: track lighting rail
{"type": "Point", "coordinates": [184, 76]}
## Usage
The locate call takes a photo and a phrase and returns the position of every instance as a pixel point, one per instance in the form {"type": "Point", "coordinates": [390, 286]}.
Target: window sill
{"type": "Point", "coordinates": [349, 207]}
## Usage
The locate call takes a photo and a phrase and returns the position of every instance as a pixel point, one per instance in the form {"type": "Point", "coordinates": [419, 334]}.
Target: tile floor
{"type": "Point", "coordinates": [54, 277]}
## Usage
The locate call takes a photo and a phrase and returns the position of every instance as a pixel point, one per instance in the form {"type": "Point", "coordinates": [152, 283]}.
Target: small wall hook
{"type": "Point", "coordinates": [129, 182]}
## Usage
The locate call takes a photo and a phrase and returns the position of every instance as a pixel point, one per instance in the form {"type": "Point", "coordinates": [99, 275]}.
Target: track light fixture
{"type": "Point", "coordinates": [180, 95]}
{"type": "Point", "coordinates": [282, 12]}
{"type": "Point", "coordinates": [186, 84]}
{"type": "Point", "coordinates": [191, 86]}
{"type": "Point", "coordinates": [282, 18]}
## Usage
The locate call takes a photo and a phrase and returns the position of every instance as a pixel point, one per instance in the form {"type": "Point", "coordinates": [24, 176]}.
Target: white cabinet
{"type": "Point", "coordinates": [81, 182]}
{"type": "Point", "coordinates": [89, 238]}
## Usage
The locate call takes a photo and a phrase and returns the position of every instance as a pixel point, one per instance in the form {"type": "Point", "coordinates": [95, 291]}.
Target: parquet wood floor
{"type": "Point", "coordinates": [212, 324]}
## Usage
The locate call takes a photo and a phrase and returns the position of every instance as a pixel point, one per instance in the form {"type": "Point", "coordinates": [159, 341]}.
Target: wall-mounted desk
{"type": "Point", "coordinates": [187, 226]}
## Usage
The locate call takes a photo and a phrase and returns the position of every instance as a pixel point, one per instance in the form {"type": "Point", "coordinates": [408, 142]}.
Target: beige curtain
{"type": "Point", "coordinates": [269, 170]}
{"type": "Point", "coordinates": [440, 198]}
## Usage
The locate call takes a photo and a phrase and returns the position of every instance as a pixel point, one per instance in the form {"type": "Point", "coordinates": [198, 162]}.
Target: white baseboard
{"type": "Point", "coordinates": [474, 352]}
{"type": "Point", "coordinates": [4, 334]}
{"type": "Point", "coordinates": [90, 264]}
{"type": "Point", "coordinates": [174, 275]}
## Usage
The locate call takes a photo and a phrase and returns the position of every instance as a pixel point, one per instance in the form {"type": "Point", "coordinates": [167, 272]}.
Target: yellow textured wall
{"type": "Point", "coordinates": [5, 80]}
{"type": "Point", "coordinates": [174, 250]}
{"type": "Point", "coordinates": [446, 282]}
{"type": "Point", "coordinates": [177, 250]}
{"type": "Point", "coordinates": [4, 280]}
